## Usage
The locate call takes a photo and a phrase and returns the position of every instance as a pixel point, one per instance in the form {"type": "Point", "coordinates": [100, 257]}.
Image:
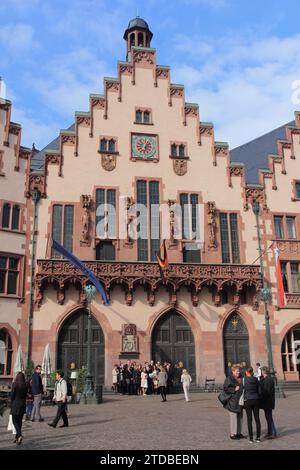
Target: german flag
{"type": "Point", "coordinates": [162, 258]}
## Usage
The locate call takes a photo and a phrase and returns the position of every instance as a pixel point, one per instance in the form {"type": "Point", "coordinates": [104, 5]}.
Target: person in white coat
{"type": "Point", "coordinates": [186, 380]}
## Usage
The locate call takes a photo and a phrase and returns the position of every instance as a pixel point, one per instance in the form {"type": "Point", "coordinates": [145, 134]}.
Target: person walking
{"type": "Point", "coordinates": [252, 402]}
{"type": "Point", "coordinates": [18, 404]}
{"type": "Point", "coordinates": [115, 376]}
{"type": "Point", "coordinates": [162, 377]}
{"type": "Point", "coordinates": [144, 381]}
{"type": "Point", "coordinates": [258, 372]}
{"type": "Point", "coordinates": [37, 391]}
{"type": "Point", "coordinates": [267, 401]}
{"type": "Point", "coordinates": [186, 381]}
{"type": "Point", "coordinates": [233, 387]}
{"type": "Point", "coordinates": [60, 397]}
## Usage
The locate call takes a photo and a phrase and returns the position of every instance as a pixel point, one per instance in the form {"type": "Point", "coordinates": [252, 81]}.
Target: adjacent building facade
{"type": "Point", "coordinates": [142, 161]}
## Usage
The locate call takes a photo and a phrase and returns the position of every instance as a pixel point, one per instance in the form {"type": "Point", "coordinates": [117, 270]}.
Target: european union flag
{"type": "Point", "coordinates": [79, 265]}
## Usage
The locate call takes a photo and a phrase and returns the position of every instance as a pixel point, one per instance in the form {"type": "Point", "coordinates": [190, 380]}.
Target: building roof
{"type": "Point", "coordinates": [254, 153]}
{"type": "Point", "coordinates": [38, 159]}
{"type": "Point", "coordinates": [137, 23]}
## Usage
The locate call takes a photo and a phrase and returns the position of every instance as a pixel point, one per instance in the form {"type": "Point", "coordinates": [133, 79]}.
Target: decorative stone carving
{"type": "Point", "coordinates": [172, 206]}
{"type": "Point", "coordinates": [206, 131]}
{"type": "Point", "coordinates": [236, 171]}
{"type": "Point", "coordinates": [291, 247]}
{"type": "Point", "coordinates": [180, 167]}
{"type": "Point", "coordinates": [52, 159]}
{"type": "Point", "coordinates": [131, 275]}
{"type": "Point", "coordinates": [99, 102]}
{"type": "Point", "coordinates": [293, 300]}
{"type": "Point", "coordinates": [221, 151]}
{"type": "Point", "coordinates": [255, 194]}
{"type": "Point", "coordinates": [129, 339]}
{"type": "Point", "coordinates": [129, 202]}
{"type": "Point", "coordinates": [68, 139]}
{"type": "Point", "coordinates": [108, 161]}
{"type": "Point", "coordinates": [191, 111]}
{"type": "Point", "coordinates": [86, 203]}
{"type": "Point", "coordinates": [36, 182]}
{"type": "Point", "coordinates": [176, 92]}
{"type": "Point", "coordinates": [86, 120]}
{"type": "Point", "coordinates": [146, 57]}
{"type": "Point", "coordinates": [112, 86]}
{"type": "Point", "coordinates": [126, 69]}
{"type": "Point", "coordinates": [211, 222]}
{"type": "Point", "coordinates": [162, 73]}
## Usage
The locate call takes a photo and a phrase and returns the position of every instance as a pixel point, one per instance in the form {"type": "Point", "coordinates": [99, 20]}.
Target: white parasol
{"type": "Point", "coordinates": [46, 365]}
{"type": "Point", "coordinates": [19, 364]}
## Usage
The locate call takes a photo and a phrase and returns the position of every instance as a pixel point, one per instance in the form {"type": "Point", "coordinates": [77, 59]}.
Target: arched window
{"type": "Point", "coordinates": [174, 150]}
{"type": "Point", "coordinates": [5, 353]}
{"type": "Point", "coordinates": [111, 146]}
{"type": "Point", "coordinates": [140, 39]}
{"type": "Point", "coordinates": [132, 39]}
{"type": "Point", "coordinates": [181, 150]}
{"type": "Point", "coordinates": [290, 352]}
{"type": "Point", "coordinates": [103, 145]}
{"type": "Point", "coordinates": [6, 215]}
{"type": "Point", "coordinates": [15, 222]}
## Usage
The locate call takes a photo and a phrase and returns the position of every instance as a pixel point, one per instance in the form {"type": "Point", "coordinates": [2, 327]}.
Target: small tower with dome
{"type": "Point", "coordinates": [137, 34]}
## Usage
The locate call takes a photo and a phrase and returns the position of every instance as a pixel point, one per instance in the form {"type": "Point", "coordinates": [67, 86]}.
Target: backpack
{"type": "Point", "coordinates": [69, 389]}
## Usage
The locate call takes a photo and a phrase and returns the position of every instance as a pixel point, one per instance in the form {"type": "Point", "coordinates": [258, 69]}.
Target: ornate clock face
{"type": "Point", "coordinates": [144, 146]}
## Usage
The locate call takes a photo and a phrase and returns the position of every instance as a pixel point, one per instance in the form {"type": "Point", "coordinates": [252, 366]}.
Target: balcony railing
{"type": "Point", "coordinates": [129, 275]}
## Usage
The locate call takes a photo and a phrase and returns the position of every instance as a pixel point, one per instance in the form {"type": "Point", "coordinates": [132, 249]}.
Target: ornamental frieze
{"type": "Point", "coordinates": [68, 139]}
{"type": "Point", "coordinates": [36, 183]}
{"type": "Point", "coordinates": [176, 92]}
{"type": "Point", "coordinates": [112, 86]}
{"type": "Point", "coordinates": [180, 167]}
{"type": "Point", "coordinates": [126, 69]}
{"type": "Point", "coordinates": [131, 275]}
{"type": "Point", "coordinates": [191, 111]}
{"type": "Point", "coordinates": [255, 194]}
{"type": "Point", "coordinates": [84, 120]}
{"type": "Point", "coordinates": [98, 102]}
{"type": "Point", "coordinates": [108, 161]}
{"type": "Point", "coordinates": [145, 57]}
{"type": "Point", "coordinates": [291, 247]}
{"type": "Point", "coordinates": [162, 73]}
{"type": "Point", "coordinates": [206, 131]}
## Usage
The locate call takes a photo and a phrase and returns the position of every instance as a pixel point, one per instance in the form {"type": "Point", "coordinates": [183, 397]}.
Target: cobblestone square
{"type": "Point", "coordinates": [131, 422]}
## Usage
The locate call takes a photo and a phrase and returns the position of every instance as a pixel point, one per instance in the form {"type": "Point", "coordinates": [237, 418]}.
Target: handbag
{"type": "Point", "coordinates": [242, 397]}
{"type": "Point", "coordinates": [10, 426]}
{"type": "Point", "coordinates": [224, 397]}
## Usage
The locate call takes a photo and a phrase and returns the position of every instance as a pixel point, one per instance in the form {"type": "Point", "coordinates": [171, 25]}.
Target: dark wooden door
{"type": "Point", "coordinates": [173, 341]}
{"type": "Point", "coordinates": [236, 342]}
{"type": "Point", "coordinates": [72, 345]}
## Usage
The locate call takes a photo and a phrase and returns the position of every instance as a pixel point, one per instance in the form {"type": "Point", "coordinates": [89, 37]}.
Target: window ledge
{"type": "Point", "coordinates": [143, 123]}
{"type": "Point", "coordinates": [185, 157]}
{"type": "Point", "coordinates": [105, 152]}
{"type": "Point", "coordinates": [9, 230]}
{"type": "Point", "coordinates": [10, 296]}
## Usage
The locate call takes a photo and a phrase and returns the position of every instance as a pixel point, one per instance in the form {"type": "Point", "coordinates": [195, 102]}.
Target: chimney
{"type": "Point", "coordinates": [2, 89]}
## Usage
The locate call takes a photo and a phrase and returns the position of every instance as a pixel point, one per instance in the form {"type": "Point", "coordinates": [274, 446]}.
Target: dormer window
{"type": "Point", "coordinates": [178, 150]}
{"type": "Point", "coordinates": [143, 116]}
{"type": "Point", "coordinates": [108, 145]}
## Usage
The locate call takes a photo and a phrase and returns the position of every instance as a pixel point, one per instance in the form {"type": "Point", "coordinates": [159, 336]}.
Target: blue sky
{"type": "Point", "coordinates": [237, 58]}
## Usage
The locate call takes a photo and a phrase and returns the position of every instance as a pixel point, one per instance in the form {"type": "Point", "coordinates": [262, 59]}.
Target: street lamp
{"type": "Point", "coordinates": [265, 295]}
{"type": "Point", "coordinates": [90, 292]}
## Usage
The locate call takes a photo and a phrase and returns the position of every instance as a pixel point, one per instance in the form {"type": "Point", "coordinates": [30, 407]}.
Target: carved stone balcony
{"type": "Point", "coordinates": [129, 275]}
{"type": "Point", "coordinates": [293, 300]}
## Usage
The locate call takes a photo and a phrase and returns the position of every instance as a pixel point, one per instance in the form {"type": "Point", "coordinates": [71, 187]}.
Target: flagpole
{"type": "Point", "coordinates": [265, 295]}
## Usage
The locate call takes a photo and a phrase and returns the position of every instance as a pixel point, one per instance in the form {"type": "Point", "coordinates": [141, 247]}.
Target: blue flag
{"type": "Point", "coordinates": [79, 265]}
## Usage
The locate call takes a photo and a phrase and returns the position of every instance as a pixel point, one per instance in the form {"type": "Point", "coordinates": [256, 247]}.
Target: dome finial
{"type": "Point", "coordinates": [137, 34]}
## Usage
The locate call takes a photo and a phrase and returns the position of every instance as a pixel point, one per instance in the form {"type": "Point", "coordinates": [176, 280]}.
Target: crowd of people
{"type": "Point", "coordinates": [250, 392]}
{"type": "Point", "coordinates": [243, 390]}
{"type": "Point", "coordinates": [26, 401]}
{"type": "Point", "coordinates": [149, 378]}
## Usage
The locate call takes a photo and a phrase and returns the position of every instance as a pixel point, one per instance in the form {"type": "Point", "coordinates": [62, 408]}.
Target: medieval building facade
{"type": "Point", "coordinates": [142, 161]}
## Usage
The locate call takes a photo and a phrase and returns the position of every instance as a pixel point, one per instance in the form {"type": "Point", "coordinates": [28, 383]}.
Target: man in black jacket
{"type": "Point", "coordinates": [37, 391]}
{"type": "Point", "coordinates": [267, 401]}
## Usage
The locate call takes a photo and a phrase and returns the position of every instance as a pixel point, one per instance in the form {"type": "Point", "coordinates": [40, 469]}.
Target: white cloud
{"type": "Point", "coordinates": [67, 81]}
{"type": "Point", "coordinates": [33, 131]}
{"type": "Point", "coordinates": [243, 85]}
{"type": "Point", "coordinates": [16, 38]}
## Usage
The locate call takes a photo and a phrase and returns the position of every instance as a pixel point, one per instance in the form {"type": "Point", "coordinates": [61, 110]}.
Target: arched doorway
{"type": "Point", "coordinates": [72, 345]}
{"type": "Point", "coordinates": [290, 353]}
{"type": "Point", "coordinates": [236, 342]}
{"type": "Point", "coordinates": [173, 341]}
